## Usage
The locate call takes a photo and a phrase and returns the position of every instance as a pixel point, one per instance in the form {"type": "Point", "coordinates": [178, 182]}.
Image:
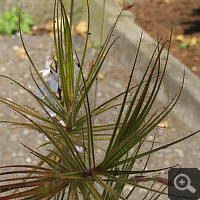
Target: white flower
{"type": "Point", "coordinates": [47, 70]}
{"type": "Point", "coordinates": [52, 83]}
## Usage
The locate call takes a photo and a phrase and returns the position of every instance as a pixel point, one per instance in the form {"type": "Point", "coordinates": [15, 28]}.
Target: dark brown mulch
{"type": "Point", "coordinates": [158, 16]}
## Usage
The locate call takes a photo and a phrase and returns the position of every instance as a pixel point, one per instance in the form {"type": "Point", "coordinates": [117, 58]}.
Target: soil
{"type": "Point", "coordinates": [157, 17]}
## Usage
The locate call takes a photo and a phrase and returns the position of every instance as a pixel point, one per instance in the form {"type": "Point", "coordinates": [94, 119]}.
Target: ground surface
{"type": "Point", "coordinates": [14, 63]}
{"type": "Point", "coordinates": [157, 17]}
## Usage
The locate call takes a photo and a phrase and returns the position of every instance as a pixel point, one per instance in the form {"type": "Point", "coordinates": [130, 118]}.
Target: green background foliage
{"type": "Point", "coordinates": [9, 22]}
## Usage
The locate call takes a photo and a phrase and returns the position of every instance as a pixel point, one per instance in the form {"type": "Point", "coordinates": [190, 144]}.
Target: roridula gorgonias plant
{"type": "Point", "coordinates": [69, 169]}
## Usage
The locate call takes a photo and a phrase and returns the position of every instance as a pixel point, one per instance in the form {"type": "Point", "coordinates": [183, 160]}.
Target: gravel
{"type": "Point", "coordinates": [113, 80]}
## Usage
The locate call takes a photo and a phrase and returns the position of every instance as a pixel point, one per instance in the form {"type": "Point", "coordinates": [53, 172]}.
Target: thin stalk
{"type": "Point", "coordinates": [102, 22]}
{"type": "Point", "coordinates": [100, 44]}
{"type": "Point", "coordinates": [71, 13]}
{"type": "Point", "coordinates": [89, 121]}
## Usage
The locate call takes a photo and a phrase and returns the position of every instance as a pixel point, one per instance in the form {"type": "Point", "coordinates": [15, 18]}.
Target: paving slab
{"type": "Point", "coordinates": [124, 51]}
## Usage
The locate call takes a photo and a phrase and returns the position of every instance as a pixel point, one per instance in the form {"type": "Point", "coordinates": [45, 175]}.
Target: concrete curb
{"type": "Point", "coordinates": [188, 109]}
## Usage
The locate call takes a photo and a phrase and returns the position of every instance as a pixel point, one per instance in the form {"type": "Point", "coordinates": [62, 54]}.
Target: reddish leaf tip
{"type": "Point", "coordinates": [127, 7]}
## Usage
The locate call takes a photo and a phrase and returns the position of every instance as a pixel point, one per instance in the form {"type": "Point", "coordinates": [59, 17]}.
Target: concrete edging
{"type": "Point", "coordinates": [189, 103]}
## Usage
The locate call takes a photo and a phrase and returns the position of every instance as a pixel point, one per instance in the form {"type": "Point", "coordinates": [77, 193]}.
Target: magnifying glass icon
{"type": "Point", "coordinates": [182, 182]}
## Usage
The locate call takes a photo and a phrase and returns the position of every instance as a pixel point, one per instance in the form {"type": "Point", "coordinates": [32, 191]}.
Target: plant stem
{"type": "Point", "coordinates": [71, 13]}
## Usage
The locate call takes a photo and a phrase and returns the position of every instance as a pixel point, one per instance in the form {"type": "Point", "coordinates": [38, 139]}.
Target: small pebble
{"type": "Point", "coordinates": [28, 160]}
{"type": "Point", "coordinates": [26, 131]}
{"type": "Point", "coordinates": [34, 27]}
{"type": "Point", "coordinates": [195, 69]}
{"type": "Point", "coordinates": [180, 152]}
{"type": "Point", "coordinates": [99, 94]}
{"type": "Point", "coordinates": [16, 48]}
{"type": "Point", "coordinates": [3, 69]}
{"type": "Point", "coordinates": [167, 163]}
{"type": "Point", "coordinates": [14, 154]}
{"type": "Point", "coordinates": [100, 76]}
